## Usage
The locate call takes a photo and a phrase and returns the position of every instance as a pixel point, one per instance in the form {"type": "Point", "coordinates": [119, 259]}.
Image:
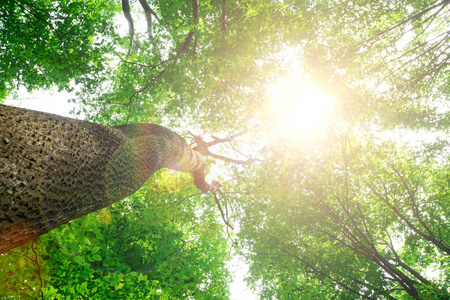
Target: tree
{"type": "Point", "coordinates": [202, 61]}
{"type": "Point", "coordinates": [343, 215]}
{"type": "Point", "coordinates": [56, 169]}
{"type": "Point", "coordinates": [348, 216]}
{"type": "Point", "coordinates": [149, 245]}
{"type": "Point", "coordinates": [363, 224]}
{"type": "Point", "coordinates": [393, 55]}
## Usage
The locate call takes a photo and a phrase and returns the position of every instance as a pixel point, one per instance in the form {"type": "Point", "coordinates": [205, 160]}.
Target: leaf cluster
{"type": "Point", "coordinates": [147, 247]}
{"type": "Point", "coordinates": [49, 43]}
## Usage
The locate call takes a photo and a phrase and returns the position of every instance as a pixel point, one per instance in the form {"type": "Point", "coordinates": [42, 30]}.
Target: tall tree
{"type": "Point", "coordinates": [364, 222]}
{"type": "Point", "coordinates": [56, 169]}
{"type": "Point", "coordinates": [343, 216]}
{"type": "Point", "coordinates": [348, 216]}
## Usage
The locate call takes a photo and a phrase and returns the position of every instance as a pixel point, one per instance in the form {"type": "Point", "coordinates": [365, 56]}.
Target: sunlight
{"type": "Point", "coordinates": [299, 108]}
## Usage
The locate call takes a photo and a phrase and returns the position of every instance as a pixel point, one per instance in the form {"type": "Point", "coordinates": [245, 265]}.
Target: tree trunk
{"type": "Point", "coordinates": [55, 169]}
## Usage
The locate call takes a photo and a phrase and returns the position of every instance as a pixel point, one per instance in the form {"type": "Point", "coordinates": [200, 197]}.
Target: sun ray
{"type": "Point", "coordinates": [299, 109]}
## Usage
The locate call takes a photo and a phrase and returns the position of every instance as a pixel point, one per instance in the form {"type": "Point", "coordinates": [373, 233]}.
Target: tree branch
{"type": "Point", "coordinates": [148, 16]}
{"type": "Point", "coordinates": [369, 251]}
{"type": "Point", "coordinates": [149, 84]}
{"type": "Point", "coordinates": [129, 18]}
{"type": "Point", "coordinates": [221, 211]}
{"type": "Point", "coordinates": [35, 260]}
{"type": "Point", "coordinates": [203, 147]}
{"type": "Point", "coordinates": [188, 39]}
{"type": "Point", "coordinates": [288, 251]}
{"type": "Point", "coordinates": [403, 265]}
{"type": "Point", "coordinates": [430, 238]}
{"type": "Point", "coordinates": [402, 22]}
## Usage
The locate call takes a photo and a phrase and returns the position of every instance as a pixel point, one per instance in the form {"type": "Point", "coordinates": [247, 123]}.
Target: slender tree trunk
{"type": "Point", "coordinates": [55, 169]}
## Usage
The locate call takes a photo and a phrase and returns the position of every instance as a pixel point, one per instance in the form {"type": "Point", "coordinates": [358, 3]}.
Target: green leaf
{"type": "Point", "coordinates": [97, 257]}
{"type": "Point", "coordinates": [119, 286]}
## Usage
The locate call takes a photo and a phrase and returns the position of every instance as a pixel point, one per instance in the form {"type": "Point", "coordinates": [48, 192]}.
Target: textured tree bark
{"type": "Point", "coordinates": [55, 169]}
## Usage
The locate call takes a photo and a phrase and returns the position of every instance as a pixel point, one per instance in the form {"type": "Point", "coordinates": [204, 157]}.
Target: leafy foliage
{"type": "Point", "coordinates": [350, 214]}
{"type": "Point", "coordinates": [46, 43]}
{"type": "Point", "coordinates": [146, 247]}
{"type": "Point", "coordinates": [392, 54]}
{"type": "Point", "coordinates": [352, 219]}
{"type": "Point", "coordinates": [195, 81]}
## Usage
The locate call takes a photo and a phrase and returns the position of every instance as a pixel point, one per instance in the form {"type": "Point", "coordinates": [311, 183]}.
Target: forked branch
{"type": "Point", "coordinates": [224, 217]}
{"type": "Point", "coordinates": [203, 147]}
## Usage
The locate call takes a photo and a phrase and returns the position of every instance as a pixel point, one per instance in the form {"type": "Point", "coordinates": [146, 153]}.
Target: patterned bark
{"type": "Point", "coordinates": [55, 169]}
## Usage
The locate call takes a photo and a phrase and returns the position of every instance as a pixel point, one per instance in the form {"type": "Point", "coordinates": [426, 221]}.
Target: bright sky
{"type": "Point", "coordinates": [299, 109]}
{"type": "Point", "coordinates": [46, 101]}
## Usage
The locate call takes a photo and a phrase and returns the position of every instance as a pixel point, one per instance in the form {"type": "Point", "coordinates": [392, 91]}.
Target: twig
{"type": "Point", "coordinates": [187, 197]}
{"type": "Point", "coordinates": [149, 84]}
{"type": "Point", "coordinates": [221, 211]}
{"type": "Point", "coordinates": [38, 269]}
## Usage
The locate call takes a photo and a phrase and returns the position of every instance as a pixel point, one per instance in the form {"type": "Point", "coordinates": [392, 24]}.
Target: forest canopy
{"type": "Point", "coordinates": [326, 122]}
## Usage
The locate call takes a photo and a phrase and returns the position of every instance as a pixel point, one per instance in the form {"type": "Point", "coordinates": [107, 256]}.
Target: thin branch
{"type": "Point", "coordinates": [412, 199]}
{"type": "Point", "coordinates": [230, 160]}
{"type": "Point", "coordinates": [344, 154]}
{"type": "Point", "coordinates": [149, 84]}
{"type": "Point", "coordinates": [370, 252]}
{"type": "Point", "coordinates": [402, 22]}
{"type": "Point", "coordinates": [187, 197]}
{"type": "Point", "coordinates": [231, 146]}
{"type": "Point", "coordinates": [195, 16]}
{"type": "Point", "coordinates": [365, 285]}
{"type": "Point", "coordinates": [431, 238]}
{"type": "Point", "coordinates": [288, 251]}
{"type": "Point", "coordinates": [221, 211]}
{"type": "Point", "coordinates": [403, 265]}
{"type": "Point", "coordinates": [38, 269]}
{"type": "Point", "coordinates": [224, 140]}
{"type": "Point", "coordinates": [186, 43]}
{"type": "Point", "coordinates": [365, 224]}
{"type": "Point", "coordinates": [203, 147]}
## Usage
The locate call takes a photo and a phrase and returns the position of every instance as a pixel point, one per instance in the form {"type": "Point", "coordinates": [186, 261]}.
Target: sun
{"type": "Point", "coordinates": [298, 108]}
